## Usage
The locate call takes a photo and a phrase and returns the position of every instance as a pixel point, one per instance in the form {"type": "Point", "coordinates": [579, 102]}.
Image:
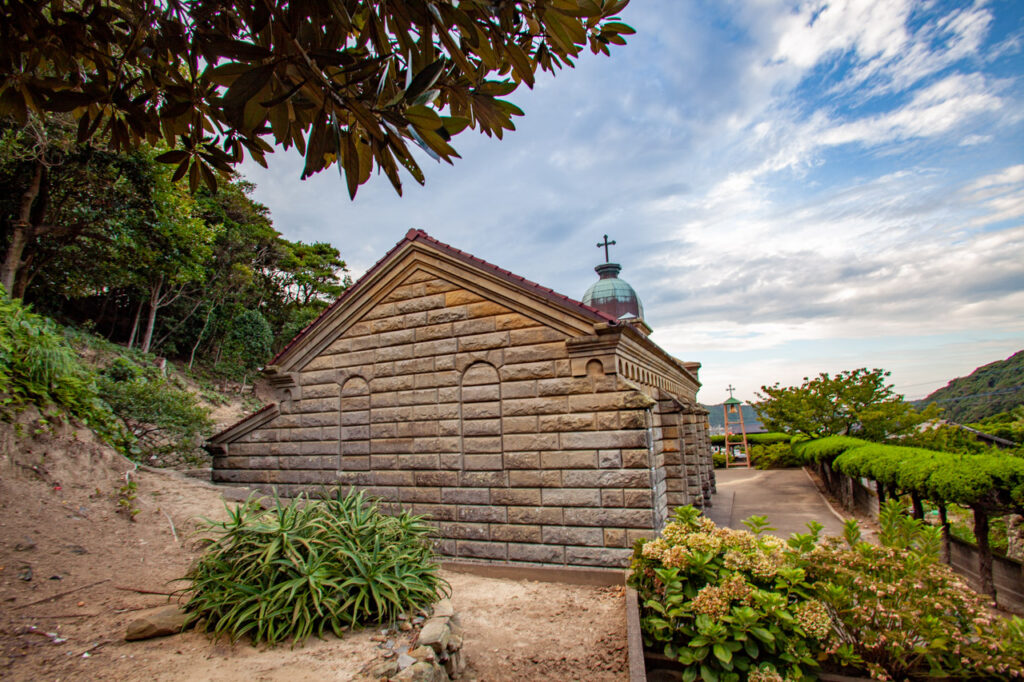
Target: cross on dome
{"type": "Point", "coordinates": [606, 244]}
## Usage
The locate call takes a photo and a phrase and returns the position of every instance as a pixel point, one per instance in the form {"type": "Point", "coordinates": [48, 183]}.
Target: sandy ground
{"type": "Point", "coordinates": [74, 571]}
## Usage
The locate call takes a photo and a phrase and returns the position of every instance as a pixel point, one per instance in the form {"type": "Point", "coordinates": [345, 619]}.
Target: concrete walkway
{"type": "Point", "coordinates": [787, 497]}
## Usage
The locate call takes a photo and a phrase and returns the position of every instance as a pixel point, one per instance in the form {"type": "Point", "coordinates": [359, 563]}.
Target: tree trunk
{"type": "Point", "coordinates": [21, 232]}
{"type": "Point", "coordinates": [180, 323]}
{"type": "Point", "coordinates": [154, 305]}
{"type": "Point", "coordinates": [880, 489]}
{"type": "Point", "coordinates": [135, 325]}
{"type": "Point", "coordinates": [103, 311]}
{"type": "Point", "coordinates": [984, 552]}
{"type": "Point", "coordinates": [944, 518]}
{"type": "Point", "coordinates": [199, 339]}
{"type": "Point", "coordinates": [915, 500]}
{"type": "Point", "coordinates": [12, 259]}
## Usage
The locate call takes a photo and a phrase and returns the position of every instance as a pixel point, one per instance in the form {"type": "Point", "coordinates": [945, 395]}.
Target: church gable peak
{"type": "Point", "coordinates": [422, 268]}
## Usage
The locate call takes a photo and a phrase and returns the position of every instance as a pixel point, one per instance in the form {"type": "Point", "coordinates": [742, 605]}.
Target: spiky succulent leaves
{"type": "Point", "coordinates": [308, 567]}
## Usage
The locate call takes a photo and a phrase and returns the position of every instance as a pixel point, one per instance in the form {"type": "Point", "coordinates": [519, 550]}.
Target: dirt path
{"type": "Point", "coordinates": [86, 564]}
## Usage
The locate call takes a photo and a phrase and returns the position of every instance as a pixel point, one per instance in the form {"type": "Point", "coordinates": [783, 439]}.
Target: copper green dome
{"type": "Point", "coordinates": [612, 295]}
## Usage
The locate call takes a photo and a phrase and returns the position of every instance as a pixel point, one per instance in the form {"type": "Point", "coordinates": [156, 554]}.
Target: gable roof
{"type": "Point", "coordinates": [420, 236]}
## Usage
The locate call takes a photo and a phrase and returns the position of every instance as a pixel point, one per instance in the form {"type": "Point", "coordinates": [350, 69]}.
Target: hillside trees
{"type": "Point", "coordinates": [169, 255]}
{"type": "Point", "coordinates": [988, 390]}
{"type": "Point", "coordinates": [151, 265]}
{"type": "Point", "coordinates": [853, 401]}
{"type": "Point", "coordinates": [57, 193]}
{"type": "Point", "coordinates": [350, 82]}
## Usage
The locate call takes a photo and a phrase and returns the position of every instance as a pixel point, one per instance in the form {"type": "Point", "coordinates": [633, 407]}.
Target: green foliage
{"type": "Point", "coordinates": [732, 605]}
{"type": "Point", "coordinates": [946, 438]}
{"type": "Point", "coordinates": [358, 93]}
{"type": "Point", "coordinates": [898, 530]}
{"type": "Point", "coordinates": [718, 459]}
{"type": "Point", "coordinates": [247, 345]}
{"type": "Point", "coordinates": [296, 322]}
{"type": "Point", "coordinates": [902, 613]}
{"type": "Point", "coordinates": [167, 421]}
{"type": "Point", "coordinates": [987, 391]}
{"type": "Point", "coordinates": [311, 272]}
{"type": "Point", "coordinates": [758, 438]}
{"type": "Point", "coordinates": [777, 456]}
{"type": "Point", "coordinates": [304, 568]}
{"type": "Point", "coordinates": [39, 367]}
{"type": "Point", "coordinates": [825, 449]}
{"type": "Point", "coordinates": [1008, 425]}
{"type": "Point", "coordinates": [728, 604]}
{"type": "Point", "coordinates": [991, 482]}
{"type": "Point", "coordinates": [961, 527]}
{"type": "Point", "coordinates": [853, 401]}
{"type": "Point", "coordinates": [126, 496]}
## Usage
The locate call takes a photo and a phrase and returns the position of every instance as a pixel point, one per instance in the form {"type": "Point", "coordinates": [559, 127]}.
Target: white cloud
{"type": "Point", "coordinates": [972, 140]}
{"type": "Point", "coordinates": [933, 111]}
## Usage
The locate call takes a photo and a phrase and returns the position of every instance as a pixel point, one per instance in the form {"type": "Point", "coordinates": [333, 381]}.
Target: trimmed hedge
{"type": "Point", "coordinates": [825, 449]}
{"type": "Point", "coordinates": [995, 482]}
{"type": "Point", "coordinates": [758, 438]}
{"type": "Point", "coordinates": [989, 484]}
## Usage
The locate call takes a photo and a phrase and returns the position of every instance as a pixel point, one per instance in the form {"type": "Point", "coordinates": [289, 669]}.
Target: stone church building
{"type": "Point", "coordinates": [529, 426]}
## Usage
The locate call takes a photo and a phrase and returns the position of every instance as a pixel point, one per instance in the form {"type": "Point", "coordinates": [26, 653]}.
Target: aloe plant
{"type": "Point", "coordinates": [310, 566]}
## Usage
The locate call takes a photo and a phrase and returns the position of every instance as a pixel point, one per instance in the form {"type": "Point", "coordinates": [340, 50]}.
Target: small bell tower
{"type": "Point", "coordinates": [733, 412]}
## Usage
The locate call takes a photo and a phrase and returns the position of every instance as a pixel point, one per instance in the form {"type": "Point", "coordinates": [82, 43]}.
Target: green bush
{"type": "Point", "coordinates": [776, 456]}
{"type": "Point", "coordinates": [718, 460]}
{"type": "Point", "coordinates": [167, 422]}
{"type": "Point", "coordinates": [758, 438]}
{"type": "Point", "coordinates": [39, 367]}
{"type": "Point", "coordinates": [728, 605]}
{"type": "Point", "coordinates": [247, 345]}
{"type": "Point", "coordinates": [825, 449]}
{"type": "Point", "coordinates": [731, 605]}
{"type": "Point", "coordinates": [905, 614]}
{"type": "Point", "coordinates": [314, 565]}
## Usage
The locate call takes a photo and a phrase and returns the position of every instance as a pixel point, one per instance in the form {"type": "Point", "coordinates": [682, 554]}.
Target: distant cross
{"type": "Point", "coordinates": [606, 244]}
{"type": "Point", "coordinates": [730, 388]}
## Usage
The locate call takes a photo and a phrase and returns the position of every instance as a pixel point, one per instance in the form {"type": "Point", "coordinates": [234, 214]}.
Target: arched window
{"type": "Point", "coordinates": [354, 433]}
{"type": "Point", "coordinates": [480, 417]}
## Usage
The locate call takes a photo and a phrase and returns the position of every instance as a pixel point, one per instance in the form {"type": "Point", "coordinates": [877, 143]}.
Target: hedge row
{"type": "Point", "coordinates": [988, 484]}
{"type": "Point", "coordinates": [993, 482]}
{"type": "Point", "coordinates": [757, 438]}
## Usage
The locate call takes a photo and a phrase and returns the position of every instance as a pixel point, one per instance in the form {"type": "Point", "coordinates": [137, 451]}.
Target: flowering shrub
{"type": "Point", "coordinates": [734, 605]}
{"type": "Point", "coordinates": [905, 614]}
{"type": "Point", "coordinates": [728, 604]}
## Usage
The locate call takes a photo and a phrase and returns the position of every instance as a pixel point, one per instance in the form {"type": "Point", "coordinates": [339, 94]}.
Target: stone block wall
{"type": "Point", "coordinates": [461, 409]}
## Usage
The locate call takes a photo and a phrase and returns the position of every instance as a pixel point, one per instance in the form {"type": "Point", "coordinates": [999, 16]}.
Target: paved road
{"type": "Point", "coordinates": [786, 496]}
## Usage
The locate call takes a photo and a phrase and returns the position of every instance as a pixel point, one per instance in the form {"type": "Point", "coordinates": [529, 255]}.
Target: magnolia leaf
{"type": "Point", "coordinates": [454, 125]}
{"type": "Point", "coordinates": [424, 79]}
{"type": "Point", "coordinates": [423, 117]}
{"type": "Point", "coordinates": [173, 156]}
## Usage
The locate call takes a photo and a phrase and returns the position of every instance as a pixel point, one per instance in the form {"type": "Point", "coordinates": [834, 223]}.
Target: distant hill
{"type": "Point", "coordinates": [750, 420]}
{"type": "Point", "coordinates": [990, 389]}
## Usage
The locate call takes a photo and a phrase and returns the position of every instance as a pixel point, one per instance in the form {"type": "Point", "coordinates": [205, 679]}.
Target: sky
{"type": "Point", "coordinates": [793, 188]}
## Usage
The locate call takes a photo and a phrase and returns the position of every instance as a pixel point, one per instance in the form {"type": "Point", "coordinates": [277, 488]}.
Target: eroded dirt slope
{"type": "Point", "coordinates": [74, 570]}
